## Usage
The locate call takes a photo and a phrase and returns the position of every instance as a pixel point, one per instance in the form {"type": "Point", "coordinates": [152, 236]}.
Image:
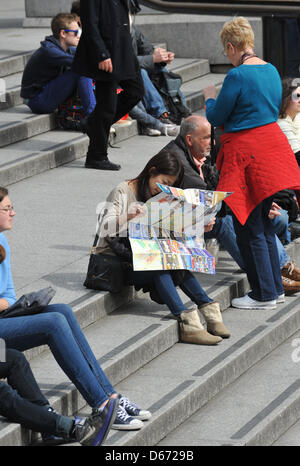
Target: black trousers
{"type": "Point", "coordinates": [110, 107]}
{"type": "Point", "coordinates": [22, 401]}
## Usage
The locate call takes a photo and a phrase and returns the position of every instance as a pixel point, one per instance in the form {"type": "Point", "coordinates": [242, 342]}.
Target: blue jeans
{"type": "Point", "coordinates": [223, 231]}
{"type": "Point", "coordinates": [22, 401]}
{"type": "Point", "coordinates": [257, 243]}
{"type": "Point", "coordinates": [61, 88]}
{"type": "Point", "coordinates": [164, 285]}
{"type": "Point", "coordinates": [281, 225]}
{"type": "Point", "coordinates": [58, 328]}
{"type": "Point", "coordinates": [152, 99]}
{"type": "Point", "coordinates": [144, 118]}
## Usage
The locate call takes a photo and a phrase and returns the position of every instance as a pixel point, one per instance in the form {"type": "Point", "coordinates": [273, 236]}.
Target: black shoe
{"type": "Point", "coordinates": [165, 120]}
{"type": "Point", "coordinates": [102, 165]}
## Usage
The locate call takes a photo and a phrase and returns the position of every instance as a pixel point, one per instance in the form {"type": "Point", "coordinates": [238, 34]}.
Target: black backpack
{"type": "Point", "coordinates": [168, 84]}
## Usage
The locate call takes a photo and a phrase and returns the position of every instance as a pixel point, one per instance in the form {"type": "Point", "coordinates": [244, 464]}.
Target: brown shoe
{"type": "Point", "coordinates": [290, 270]}
{"type": "Point", "coordinates": [289, 285]}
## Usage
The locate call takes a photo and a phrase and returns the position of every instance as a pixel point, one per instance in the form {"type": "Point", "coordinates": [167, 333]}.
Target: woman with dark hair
{"type": "Point", "coordinates": [57, 327]}
{"type": "Point", "coordinates": [124, 204]}
{"type": "Point", "coordinates": [289, 115]}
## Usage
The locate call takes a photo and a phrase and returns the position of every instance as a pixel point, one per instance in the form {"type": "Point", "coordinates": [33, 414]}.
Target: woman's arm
{"type": "Point", "coordinates": [218, 111]}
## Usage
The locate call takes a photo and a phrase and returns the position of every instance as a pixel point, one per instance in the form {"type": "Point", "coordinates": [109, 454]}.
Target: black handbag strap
{"type": "Point", "coordinates": [96, 238]}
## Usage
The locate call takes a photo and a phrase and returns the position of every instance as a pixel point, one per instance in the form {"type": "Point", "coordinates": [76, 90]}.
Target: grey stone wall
{"type": "Point", "coordinates": [46, 8]}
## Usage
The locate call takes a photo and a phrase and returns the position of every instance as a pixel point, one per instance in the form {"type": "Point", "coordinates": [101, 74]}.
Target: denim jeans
{"type": "Point", "coordinates": [224, 232]}
{"type": "Point", "coordinates": [58, 328]}
{"type": "Point", "coordinates": [22, 401]}
{"type": "Point", "coordinates": [164, 285]}
{"type": "Point", "coordinates": [257, 243]}
{"type": "Point", "coordinates": [61, 88]}
{"type": "Point", "coordinates": [144, 118]}
{"type": "Point", "coordinates": [152, 99]}
{"type": "Point", "coordinates": [281, 225]}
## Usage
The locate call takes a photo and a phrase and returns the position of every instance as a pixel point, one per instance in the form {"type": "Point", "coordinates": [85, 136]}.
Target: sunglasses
{"type": "Point", "coordinates": [76, 31]}
{"type": "Point", "coordinates": [295, 96]}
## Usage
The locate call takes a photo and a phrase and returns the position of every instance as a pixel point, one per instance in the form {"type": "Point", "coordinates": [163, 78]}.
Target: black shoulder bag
{"type": "Point", "coordinates": [105, 272]}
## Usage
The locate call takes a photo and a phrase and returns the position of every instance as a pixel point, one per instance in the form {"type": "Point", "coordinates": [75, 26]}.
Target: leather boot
{"type": "Point", "coordinates": [192, 331]}
{"type": "Point", "coordinates": [213, 318]}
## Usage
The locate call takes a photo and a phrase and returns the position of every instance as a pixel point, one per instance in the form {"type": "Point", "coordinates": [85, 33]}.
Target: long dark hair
{"type": "Point", "coordinates": [163, 163]}
{"type": "Point", "coordinates": [288, 87]}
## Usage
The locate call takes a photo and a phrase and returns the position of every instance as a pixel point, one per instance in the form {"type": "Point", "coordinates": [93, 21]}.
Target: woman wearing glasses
{"type": "Point", "coordinates": [58, 328]}
{"type": "Point", "coordinates": [289, 116]}
{"type": "Point", "coordinates": [255, 159]}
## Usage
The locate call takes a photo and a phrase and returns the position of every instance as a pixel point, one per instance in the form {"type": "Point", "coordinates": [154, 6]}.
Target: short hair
{"type": "Point", "coordinates": [239, 32]}
{"type": "Point", "coordinates": [62, 21]}
{"type": "Point", "coordinates": [75, 8]}
{"type": "Point", "coordinates": [289, 85]}
{"type": "Point", "coordinates": [3, 193]}
{"type": "Point", "coordinates": [190, 124]}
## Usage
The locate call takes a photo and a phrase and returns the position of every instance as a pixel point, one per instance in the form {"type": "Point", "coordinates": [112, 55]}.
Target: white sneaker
{"type": "Point", "coordinates": [169, 130]}
{"type": "Point", "coordinates": [150, 131]}
{"type": "Point", "coordinates": [248, 303]}
{"type": "Point", "coordinates": [280, 299]}
{"type": "Point", "coordinates": [133, 410]}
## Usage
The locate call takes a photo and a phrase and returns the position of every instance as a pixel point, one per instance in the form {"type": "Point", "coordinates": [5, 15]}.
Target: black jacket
{"type": "Point", "coordinates": [143, 49]}
{"type": "Point", "coordinates": [192, 178]}
{"type": "Point", "coordinates": [105, 34]}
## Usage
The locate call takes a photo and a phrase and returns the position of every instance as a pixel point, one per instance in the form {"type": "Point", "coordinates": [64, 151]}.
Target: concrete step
{"type": "Point", "coordinates": [291, 438]}
{"type": "Point", "coordinates": [187, 68]}
{"type": "Point", "coordinates": [219, 382]}
{"type": "Point", "coordinates": [254, 410]}
{"type": "Point", "coordinates": [49, 150]}
{"type": "Point", "coordinates": [123, 341]}
{"type": "Point", "coordinates": [30, 146]}
{"type": "Point", "coordinates": [18, 123]}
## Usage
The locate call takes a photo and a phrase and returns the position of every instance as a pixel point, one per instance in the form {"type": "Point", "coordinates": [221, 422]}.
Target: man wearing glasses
{"type": "Point", "coordinates": [47, 79]}
{"type": "Point", "coordinates": [105, 54]}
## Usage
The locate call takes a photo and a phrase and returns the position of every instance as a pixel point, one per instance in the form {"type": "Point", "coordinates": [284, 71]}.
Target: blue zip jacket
{"type": "Point", "coordinates": [48, 62]}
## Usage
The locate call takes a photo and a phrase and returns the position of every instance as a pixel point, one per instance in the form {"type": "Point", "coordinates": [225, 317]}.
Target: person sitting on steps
{"type": "Point", "coordinates": [123, 204]}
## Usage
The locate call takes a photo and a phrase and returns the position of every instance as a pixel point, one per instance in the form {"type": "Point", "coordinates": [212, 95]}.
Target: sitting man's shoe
{"type": "Point", "coordinates": [169, 130]}
{"type": "Point", "coordinates": [146, 131]}
{"type": "Point", "coordinates": [125, 422]}
{"type": "Point", "coordinates": [133, 410]}
{"type": "Point", "coordinates": [102, 165]}
{"type": "Point", "coordinates": [280, 299]}
{"type": "Point", "coordinates": [291, 271]}
{"type": "Point", "coordinates": [289, 285]}
{"type": "Point", "coordinates": [248, 303]}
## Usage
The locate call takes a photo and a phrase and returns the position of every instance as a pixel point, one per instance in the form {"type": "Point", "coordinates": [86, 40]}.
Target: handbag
{"type": "Point", "coordinates": [30, 303]}
{"type": "Point", "coordinates": [105, 272]}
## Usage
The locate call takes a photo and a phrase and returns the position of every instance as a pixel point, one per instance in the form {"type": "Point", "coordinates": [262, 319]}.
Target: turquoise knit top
{"type": "Point", "coordinates": [250, 97]}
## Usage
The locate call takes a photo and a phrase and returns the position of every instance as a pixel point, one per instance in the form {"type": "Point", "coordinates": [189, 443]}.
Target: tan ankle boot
{"type": "Point", "coordinates": [192, 331]}
{"type": "Point", "coordinates": [213, 318]}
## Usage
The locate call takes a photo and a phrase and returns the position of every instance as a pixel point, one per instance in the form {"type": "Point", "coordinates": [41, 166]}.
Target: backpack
{"type": "Point", "coordinates": [69, 114]}
{"type": "Point", "coordinates": [168, 85]}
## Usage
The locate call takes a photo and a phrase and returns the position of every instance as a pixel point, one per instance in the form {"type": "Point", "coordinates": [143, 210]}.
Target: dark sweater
{"type": "Point", "coordinates": [48, 62]}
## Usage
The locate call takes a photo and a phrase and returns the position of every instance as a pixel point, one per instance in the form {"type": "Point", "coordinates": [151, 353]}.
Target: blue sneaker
{"type": "Point", "coordinates": [125, 422]}
{"type": "Point", "coordinates": [101, 421]}
{"type": "Point", "coordinates": [133, 410]}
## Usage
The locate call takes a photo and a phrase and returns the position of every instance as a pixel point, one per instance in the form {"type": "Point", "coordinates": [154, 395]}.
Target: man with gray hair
{"type": "Point", "coordinates": [192, 146]}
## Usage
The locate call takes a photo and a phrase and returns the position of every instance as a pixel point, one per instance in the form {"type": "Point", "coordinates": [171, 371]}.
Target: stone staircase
{"type": "Point", "coordinates": [189, 389]}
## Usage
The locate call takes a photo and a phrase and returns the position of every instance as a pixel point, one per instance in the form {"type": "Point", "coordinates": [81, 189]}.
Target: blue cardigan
{"type": "Point", "coordinates": [250, 97]}
{"type": "Point", "coordinates": [7, 290]}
